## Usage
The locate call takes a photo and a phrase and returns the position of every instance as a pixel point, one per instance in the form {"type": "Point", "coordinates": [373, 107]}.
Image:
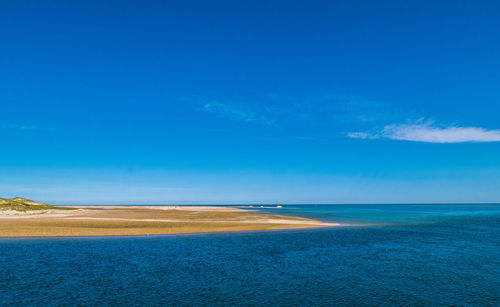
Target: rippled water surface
{"type": "Point", "coordinates": [389, 255]}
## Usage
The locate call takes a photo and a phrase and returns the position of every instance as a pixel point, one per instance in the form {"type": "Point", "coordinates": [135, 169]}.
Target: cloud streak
{"type": "Point", "coordinates": [347, 110]}
{"type": "Point", "coordinates": [236, 112]}
{"type": "Point", "coordinates": [429, 133]}
{"type": "Point", "coordinates": [20, 127]}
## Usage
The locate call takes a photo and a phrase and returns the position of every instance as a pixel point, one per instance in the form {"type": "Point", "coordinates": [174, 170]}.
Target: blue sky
{"type": "Point", "coordinates": [250, 101]}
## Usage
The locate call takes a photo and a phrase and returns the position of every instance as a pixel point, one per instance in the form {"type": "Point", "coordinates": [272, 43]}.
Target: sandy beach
{"type": "Point", "coordinates": [142, 220]}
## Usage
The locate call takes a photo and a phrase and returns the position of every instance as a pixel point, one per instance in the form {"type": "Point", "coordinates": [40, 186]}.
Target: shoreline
{"type": "Point", "coordinates": [166, 234]}
{"type": "Point", "coordinates": [97, 221]}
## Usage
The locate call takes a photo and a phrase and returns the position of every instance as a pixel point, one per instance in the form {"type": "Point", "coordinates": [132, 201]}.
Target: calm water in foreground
{"type": "Point", "coordinates": [385, 255]}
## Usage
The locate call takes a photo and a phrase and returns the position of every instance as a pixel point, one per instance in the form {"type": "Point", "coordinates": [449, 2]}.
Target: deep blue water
{"type": "Point", "coordinates": [389, 255]}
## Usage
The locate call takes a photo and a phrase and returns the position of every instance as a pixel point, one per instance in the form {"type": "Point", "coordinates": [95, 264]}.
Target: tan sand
{"type": "Point", "coordinates": [151, 220]}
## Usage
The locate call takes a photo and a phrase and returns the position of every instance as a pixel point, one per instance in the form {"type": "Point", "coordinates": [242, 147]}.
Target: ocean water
{"type": "Point", "coordinates": [411, 255]}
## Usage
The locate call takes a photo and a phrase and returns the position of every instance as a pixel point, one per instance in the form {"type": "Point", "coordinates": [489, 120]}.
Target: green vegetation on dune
{"type": "Point", "coordinates": [23, 204]}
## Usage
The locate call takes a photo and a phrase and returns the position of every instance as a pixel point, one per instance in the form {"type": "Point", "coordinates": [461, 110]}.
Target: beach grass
{"type": "Point", "coordinates": [23, 205]}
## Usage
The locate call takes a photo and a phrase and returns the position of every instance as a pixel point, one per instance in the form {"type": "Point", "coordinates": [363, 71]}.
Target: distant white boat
{"type": "Point", "coordinates": [279, 206]}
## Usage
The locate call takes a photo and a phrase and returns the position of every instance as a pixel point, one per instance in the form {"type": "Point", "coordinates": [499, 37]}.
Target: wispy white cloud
{"type": "Point", "coordinates": [427, 131]}
{"type": "Point", "coordinates": [20, 127]}
{"type": "Point", "coordinates": [281, 110]}
{"type": "Point", "coordinates": [236, 112]}
{"type": "Point", "coordinates": [361, 135]}
{"type": "Point", "coordinates": [344, 112]}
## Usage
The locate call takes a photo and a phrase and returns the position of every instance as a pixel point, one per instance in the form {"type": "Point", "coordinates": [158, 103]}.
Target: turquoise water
{"type": "Point", "coordinates": [363, 215]}
{"type": "Point", "coordinates": [420, 255]}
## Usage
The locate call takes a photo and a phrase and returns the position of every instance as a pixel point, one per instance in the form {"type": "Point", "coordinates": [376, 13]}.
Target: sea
{"type": "Point", "coordinates": [381, 255]}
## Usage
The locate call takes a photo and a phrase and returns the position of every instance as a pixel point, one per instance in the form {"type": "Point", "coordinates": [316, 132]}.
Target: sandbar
{"type": "Point", "coordinates": [143, 220]}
